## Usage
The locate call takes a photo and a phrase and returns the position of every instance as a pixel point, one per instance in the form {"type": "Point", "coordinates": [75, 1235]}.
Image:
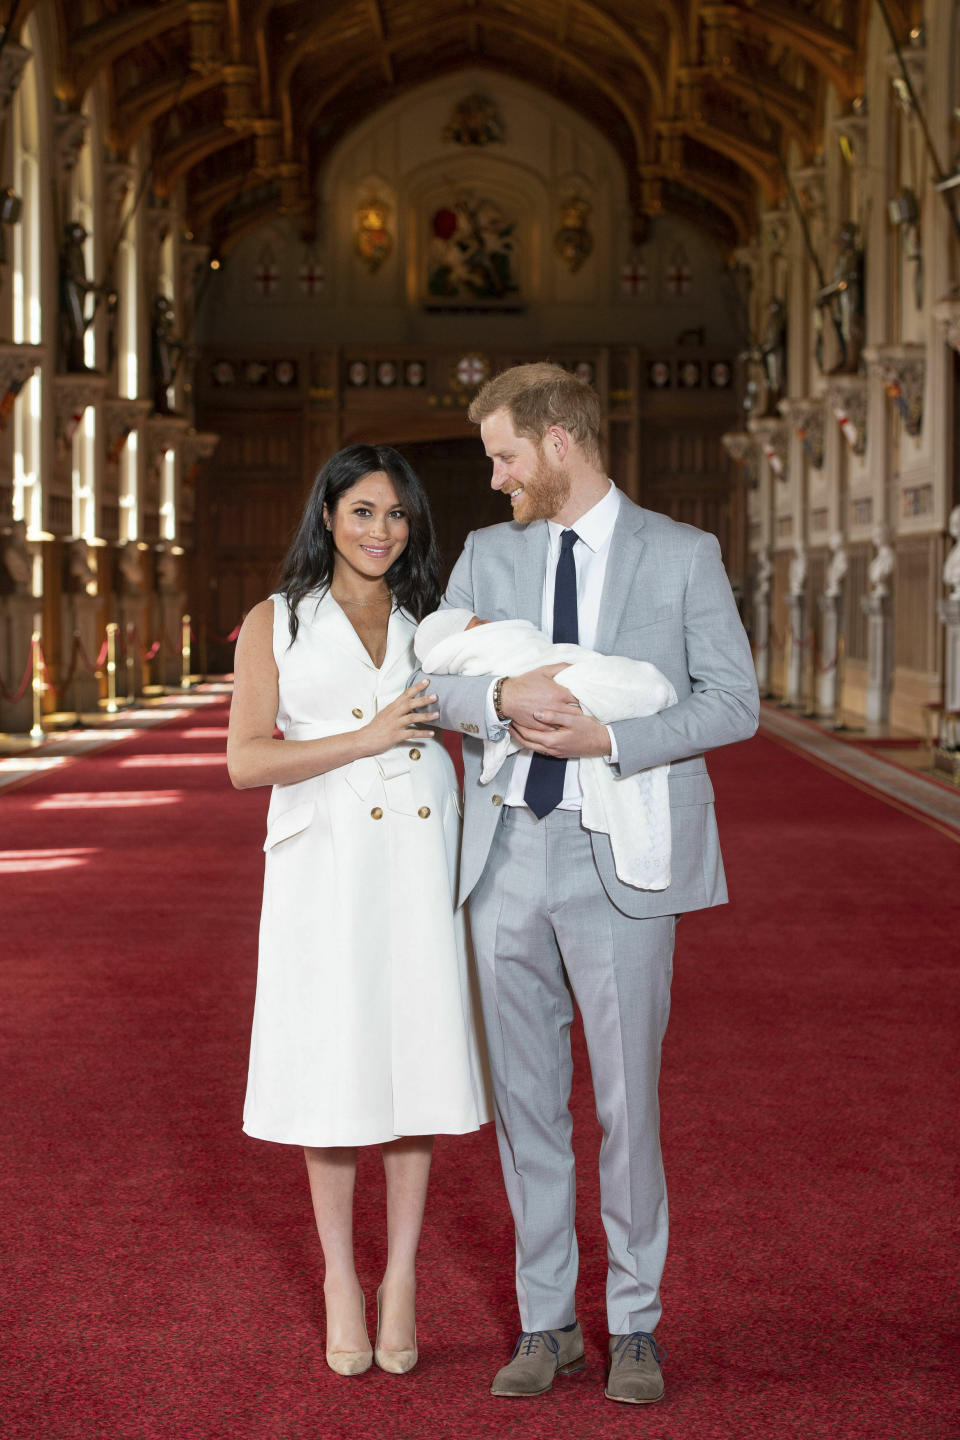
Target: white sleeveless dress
{"type": "Point", "coordinates": [365, 1025]}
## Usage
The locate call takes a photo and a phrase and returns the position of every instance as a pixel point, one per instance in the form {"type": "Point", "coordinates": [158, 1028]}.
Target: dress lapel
{"type": "Point", "coordinates": [626, 549]}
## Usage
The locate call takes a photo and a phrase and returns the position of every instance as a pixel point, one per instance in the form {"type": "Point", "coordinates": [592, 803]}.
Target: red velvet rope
{"type": "Point", "coordinates": [16, 695]}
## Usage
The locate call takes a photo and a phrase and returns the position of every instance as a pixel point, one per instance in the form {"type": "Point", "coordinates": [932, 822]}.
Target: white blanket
{"type": "Point", "coordinates": [635, 811]}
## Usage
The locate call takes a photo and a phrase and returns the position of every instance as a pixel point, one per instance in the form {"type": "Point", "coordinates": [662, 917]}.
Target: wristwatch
{"type": "Point", "coordinates": [496, 700]}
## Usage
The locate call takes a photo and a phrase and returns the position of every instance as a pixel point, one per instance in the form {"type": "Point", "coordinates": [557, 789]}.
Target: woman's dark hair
{"type": "Point", "coordinates": [413, 578]}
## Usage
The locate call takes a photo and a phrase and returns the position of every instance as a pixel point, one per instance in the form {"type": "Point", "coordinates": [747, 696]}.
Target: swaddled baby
{"type": "Point", "coordinates": [634, 811]}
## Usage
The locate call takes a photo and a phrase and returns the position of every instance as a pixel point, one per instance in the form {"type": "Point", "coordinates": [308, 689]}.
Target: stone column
{"type": "Point", "coordinates": [879, 657]}
{"type": "Point", "coordinates": [829, 642]}
{"type": "Point", "coordinates": [796, 613]}
{"type": "Point", "coordinates": [949, 613]}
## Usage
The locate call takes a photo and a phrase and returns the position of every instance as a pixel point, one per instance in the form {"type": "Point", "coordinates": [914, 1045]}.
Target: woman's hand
{"type": "Point", "coordinates": [395, 723]}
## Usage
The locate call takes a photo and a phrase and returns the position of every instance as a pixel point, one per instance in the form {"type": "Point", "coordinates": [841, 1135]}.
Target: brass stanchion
{"type": "Point", "coordinates": [129, 662]}
{"type": "Point", "coordinates": [38, 686]}
{"type": "Point", "coordinates": [185, 653]}
{"type": "Point", "coordinates": [112, 631]}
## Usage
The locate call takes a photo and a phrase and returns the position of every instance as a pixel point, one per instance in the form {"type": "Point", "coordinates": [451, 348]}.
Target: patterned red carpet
{"type": "Point", "coordinates": [162, 1280]}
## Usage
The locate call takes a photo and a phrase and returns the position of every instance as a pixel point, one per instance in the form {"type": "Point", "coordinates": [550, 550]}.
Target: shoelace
{"type": "Point", "coordinates": [632, 1347]}
{"type": "Point", "coordinates": [530, 1339]}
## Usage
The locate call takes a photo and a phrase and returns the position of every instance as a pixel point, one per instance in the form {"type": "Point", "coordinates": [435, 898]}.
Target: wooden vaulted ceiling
{"type": "Point", "coordinates": [244, 99]}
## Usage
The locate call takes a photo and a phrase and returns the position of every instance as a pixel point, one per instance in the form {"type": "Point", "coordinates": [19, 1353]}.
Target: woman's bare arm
{"type": "Point", "coordinates": [256, 757]}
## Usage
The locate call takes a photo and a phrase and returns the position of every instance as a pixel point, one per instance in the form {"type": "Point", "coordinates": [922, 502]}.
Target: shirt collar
{"type": "Point", "coordinates": [594, 526]}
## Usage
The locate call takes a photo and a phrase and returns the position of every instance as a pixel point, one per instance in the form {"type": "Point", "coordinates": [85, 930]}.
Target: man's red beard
{"type": "Point", "coordinates": [544, 494]}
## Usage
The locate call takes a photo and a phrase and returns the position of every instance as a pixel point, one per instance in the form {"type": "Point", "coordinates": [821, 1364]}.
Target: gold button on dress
{"type": "Point", "coordinates": [356, 713]}
{"type": "Point", "coordinates": [414, 754]}
{"type": "Point", "coordinates": [376, 813]}
{"type": "Point", "coordinates": [424, 812]}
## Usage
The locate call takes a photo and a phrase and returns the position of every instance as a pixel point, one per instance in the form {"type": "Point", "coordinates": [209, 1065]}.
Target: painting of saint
{"type": "Point", "coordinates": [472, 251]}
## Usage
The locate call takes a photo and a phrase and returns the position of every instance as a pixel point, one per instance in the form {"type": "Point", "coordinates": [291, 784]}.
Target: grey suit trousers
{"type": "Point", "coordinates": [543, 926]}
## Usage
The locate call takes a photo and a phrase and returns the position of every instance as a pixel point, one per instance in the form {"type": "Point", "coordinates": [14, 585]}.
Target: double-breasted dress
{"type": "Point", "coordinates": [365, 1027]}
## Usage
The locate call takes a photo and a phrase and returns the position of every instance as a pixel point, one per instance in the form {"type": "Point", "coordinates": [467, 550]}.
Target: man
{"type": "Point", "coordinates": [548, 914]}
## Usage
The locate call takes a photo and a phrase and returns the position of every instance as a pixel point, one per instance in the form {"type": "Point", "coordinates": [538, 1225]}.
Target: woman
{"type": "Point", "coordinates": [364, 1030]}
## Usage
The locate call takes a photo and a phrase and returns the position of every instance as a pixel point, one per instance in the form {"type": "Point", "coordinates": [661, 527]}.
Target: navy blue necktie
{"type": "Point", "coordinates": [544, 788]}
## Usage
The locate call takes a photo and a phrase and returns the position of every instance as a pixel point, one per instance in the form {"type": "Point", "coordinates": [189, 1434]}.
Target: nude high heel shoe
{"type": "Point", "coordinates": [394, 1362]}
{"type": "Point", "coordinates": [350, 1362]}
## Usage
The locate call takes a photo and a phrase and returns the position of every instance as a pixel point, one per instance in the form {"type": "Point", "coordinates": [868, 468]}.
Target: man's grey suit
{"type": "Point", "coordinates": [549, 915]}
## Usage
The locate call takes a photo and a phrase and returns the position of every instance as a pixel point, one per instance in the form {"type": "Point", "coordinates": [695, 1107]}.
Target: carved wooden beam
{"type": "Point", "coordinates": [180, 157]}
{"type": "Point", "coordinates": [100, 44]}
{"type": "Point", "coordinates": [140, 108]}
{"type": "Point", "coordinates": [437, 30]}
{"type": "Point", "coordinates": [828, 50]}
{"type": "Point", "coordinates": [376, 24]}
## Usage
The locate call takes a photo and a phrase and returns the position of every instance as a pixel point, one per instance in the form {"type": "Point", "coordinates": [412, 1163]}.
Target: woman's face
{"type": "Point", "coordinates": [369, 527]}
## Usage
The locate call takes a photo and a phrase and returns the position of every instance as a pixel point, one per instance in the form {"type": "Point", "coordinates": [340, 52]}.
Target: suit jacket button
{"type": "Point", "coordinates": [414, 754]}
{"type": "Point", "coordinates": [498, 800]}
{"type": "Point", "coordinates": [376, 813]}
{"type": "Point", "coordinates": [424, 812]}
{"type": "Point", "coordinates": [357, 713]}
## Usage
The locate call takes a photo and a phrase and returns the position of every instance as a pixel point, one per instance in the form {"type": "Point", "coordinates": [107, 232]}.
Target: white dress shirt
{"type": "Point", "coordinates": [594, 533]}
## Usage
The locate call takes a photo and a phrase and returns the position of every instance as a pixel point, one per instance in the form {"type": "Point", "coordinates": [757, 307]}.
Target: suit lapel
{"type": "Point", "coordinates": [530, 563]}
{"type": "Point", "coordinates": [626, 549]}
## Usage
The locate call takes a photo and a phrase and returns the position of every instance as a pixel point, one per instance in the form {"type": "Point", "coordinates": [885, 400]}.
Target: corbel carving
{"type": "Point", "coordinates": [773, 437]}
{"type": "Point", "coordinates": [13, 62]}
{"type": "Point", "coordinates": [17, 364]}
{"type": "Point", "coordinates": [197, 445]}
{"type": "Point", "coordinates": [947, 313]}
{"type": "Point", "coordinates": [903, 370]}
{"type": "Point", "coordinates": [806, 417]}
{"type": "Point", "coordinates": [846, 395]}
{"type": "Point", "coordinates": [810, 183]}
{"type": "Point", "coordinates": [162, 433]}
{"type": "Point", "coordinates": [69, 133]}
{"type": "Point", "coordinates": [118, 180]}
{"type": "Point", "coordinates": [72, 394]}
{"type": "Point", "coordinates": [120, 417]}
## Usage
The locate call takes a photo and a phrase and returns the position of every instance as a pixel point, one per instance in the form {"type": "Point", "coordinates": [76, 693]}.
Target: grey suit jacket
{"type": "Point", "coordinates": [666, 599]}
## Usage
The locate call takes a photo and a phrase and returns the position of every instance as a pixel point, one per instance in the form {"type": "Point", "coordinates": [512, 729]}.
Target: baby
{"type": "Point", "coordinates": [635, 811]}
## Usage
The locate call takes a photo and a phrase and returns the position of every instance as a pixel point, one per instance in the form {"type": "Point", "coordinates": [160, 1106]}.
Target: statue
{"type": "Point", "coordinates": [951, 565]}
{"type": "Point", "coordinates": [798, 569]}
{"type": "Point", "coordinates": [16, 559]}
{"type": "Point", "coordinates": [762, 577]}
{"type": "Point", "coordinates": [164, 353]}
{"type": "Point", "coordinates": [74, 289]}
{"type": "Point", "coordinates": [773, 350]}
{"type": "Point", "coordinates": [82, 567]}
{"type": "Point", "coordinates": [843, 301]}
{"type": "Point", "coordinates": [837, 566]}
{"type": "Point", "coordinates": [882, 565]}
{"type": "Point", "coordinates": [130, 565]}
{"type": "Point", "coordinates": [168, 572]}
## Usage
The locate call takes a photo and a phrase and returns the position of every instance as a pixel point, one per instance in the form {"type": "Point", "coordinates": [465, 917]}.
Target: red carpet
{"type": "Point", "coordinates": [163, 1279]}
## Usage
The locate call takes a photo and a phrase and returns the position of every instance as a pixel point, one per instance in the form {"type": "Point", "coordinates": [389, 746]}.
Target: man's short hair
{"type": "Point", "coordinates": [539, 395]}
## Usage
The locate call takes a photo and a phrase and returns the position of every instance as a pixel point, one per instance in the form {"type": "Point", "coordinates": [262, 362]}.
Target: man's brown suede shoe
{"type": "Point", "coordinates": [537, 1357]}
{"type": "Point", "coordinates": [634, 1374]}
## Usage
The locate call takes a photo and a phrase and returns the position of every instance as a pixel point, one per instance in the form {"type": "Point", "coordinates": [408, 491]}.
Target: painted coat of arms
{"type": "Point", "coordinates": [472, 252]}
{"type": "Point", "coordinates": [475, 121]}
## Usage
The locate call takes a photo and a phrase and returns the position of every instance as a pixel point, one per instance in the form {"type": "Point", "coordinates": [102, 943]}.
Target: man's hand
{"type": "Point", "coordinates": [522, 695]}
{"type": "Point", "coordinates": [568, 734]}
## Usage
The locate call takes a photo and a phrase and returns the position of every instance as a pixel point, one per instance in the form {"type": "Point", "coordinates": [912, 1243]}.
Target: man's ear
{"type": "Point", "coordinates": [557, 442]}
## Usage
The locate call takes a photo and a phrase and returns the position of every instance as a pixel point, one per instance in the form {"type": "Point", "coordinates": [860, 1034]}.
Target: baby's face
{"type": "Point", "coordinates": [471, 624]}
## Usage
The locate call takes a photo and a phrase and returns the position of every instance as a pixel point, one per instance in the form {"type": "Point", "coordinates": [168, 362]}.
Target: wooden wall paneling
{"type": "Point", "coordinates": [917, 588]}
{"type": "Point", "coordinates": [854, 589]}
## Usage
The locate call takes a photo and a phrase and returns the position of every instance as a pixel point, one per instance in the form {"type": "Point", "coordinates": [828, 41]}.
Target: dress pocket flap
{"type": "Point", "coordinates": [287, 823]}
{"type": "Point", "coordinates": [690, 790]}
